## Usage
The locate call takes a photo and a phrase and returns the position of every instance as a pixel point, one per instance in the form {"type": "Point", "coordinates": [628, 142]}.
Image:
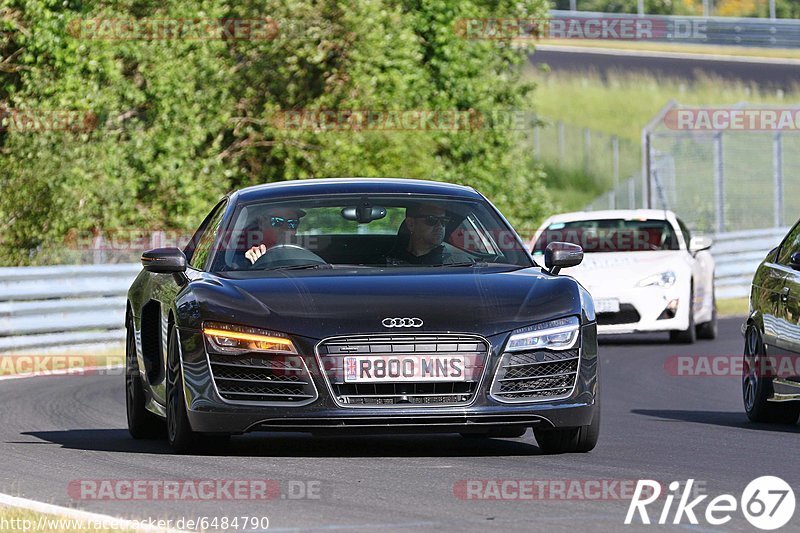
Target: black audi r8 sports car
{"type": "Point", "coordinates": [771, 370]}
{"type": "Point", "coordinates": [365, 305]}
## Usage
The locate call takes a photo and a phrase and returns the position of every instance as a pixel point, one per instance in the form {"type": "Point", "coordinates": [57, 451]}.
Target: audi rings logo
{"type": "Point", "coordinates": [402, 322]}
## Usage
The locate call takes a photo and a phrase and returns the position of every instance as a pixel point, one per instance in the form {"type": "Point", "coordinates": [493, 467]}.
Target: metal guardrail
{"type": "Point", "coordinates": [63, 306]}
{"type": "Point", "coordinates": [70, 306]}
{"type": "Point", "coordinates": [737, 257]}
{"type": "Point", "coordinates": [760, 32]}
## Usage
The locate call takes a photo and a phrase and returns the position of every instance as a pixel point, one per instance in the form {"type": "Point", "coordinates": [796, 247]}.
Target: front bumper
{"type": "Point", "coordinates": [641, 309]}
{"type": "Point", "coordinates": [209, 413]}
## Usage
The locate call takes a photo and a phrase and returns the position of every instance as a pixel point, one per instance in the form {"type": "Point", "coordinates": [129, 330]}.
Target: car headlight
{"type": "Point", "coordinates": [230, 339]}
{"type": "Point", "coordinates": [558, 334]}
{"type": "Point", "coordinates": [665, 280]}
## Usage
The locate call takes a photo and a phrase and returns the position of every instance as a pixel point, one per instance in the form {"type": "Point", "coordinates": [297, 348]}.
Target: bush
{"type": "Point", "coordinates": [182, 122]}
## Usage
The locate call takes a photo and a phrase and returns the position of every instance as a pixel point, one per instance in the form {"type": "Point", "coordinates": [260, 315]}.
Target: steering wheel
{"type": "Point", "coordinates": [287, 255]}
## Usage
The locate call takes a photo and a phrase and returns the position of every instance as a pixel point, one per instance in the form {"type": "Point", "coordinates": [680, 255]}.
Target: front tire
{"type": "Point", "coordinates": [142, 424]}
{"type": "Point", "coordinates": [179, 431]}
{"type": "Point", "coordinates": [756, 388]}
{"type": "Point", "coordinates": [570, 440]}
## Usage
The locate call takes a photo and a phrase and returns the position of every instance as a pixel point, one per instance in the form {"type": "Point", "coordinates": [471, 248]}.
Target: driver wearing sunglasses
{"type": "Point", "coordinates": [426, 225]}
{"type": "Point", "coordinates": [278, 226]}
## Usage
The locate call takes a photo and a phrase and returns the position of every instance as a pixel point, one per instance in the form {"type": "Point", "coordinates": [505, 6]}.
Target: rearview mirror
{"type": "Point", "coordinates": [560, 255]}
{"type": "Point", "coordinates": [698, 244]}
{"type": "Point", "coordinates": [794, 261]}
{"type": "Point", "coordinates": [164, 261]}
{"type": "Point", "coordinates": [363, 213]}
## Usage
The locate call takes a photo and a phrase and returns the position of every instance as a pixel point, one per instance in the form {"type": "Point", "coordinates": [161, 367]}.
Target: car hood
{"type": "Point", "coordinates": [614, 270]}
{"type": "Point", "coordinates": [320, 304]}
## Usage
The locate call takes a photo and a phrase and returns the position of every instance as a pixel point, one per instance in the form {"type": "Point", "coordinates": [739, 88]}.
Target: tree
{"type": "Point", "coordinates": [181, 122]}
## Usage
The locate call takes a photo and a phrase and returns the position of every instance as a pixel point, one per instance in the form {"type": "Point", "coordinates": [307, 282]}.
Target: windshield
{"type": "Point", "coordinates": [375, 231]}
{"type": "Point", "coordinates": [611, 235]}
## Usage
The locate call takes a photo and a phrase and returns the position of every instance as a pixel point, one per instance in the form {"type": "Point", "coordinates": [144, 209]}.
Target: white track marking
{"type": "Point", "coordinates": [86, 517]}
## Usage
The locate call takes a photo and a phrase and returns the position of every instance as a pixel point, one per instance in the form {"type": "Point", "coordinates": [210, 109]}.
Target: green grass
{"type": "Point", "coordinates": [623, 104]}
{"type": "Point", "coordinates": [572, 189]}
{"type": "Point", "coordinates": [734, 307]}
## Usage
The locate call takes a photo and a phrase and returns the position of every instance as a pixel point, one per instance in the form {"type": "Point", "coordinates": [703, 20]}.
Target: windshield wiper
{"type": "Point", "coordinates": [464, 264]}
{"type": "Point", "coordinates": [307, 266]}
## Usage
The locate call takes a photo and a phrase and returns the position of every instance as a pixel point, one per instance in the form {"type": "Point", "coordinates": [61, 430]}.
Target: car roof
{"type": "Point", "coordinates": [320, 186]}
{"type": "Point", "coordinates": [653, 214]}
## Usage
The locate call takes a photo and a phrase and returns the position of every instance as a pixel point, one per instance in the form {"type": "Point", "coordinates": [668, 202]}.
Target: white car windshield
{"type": "Point", "coordinates": [611, 235]}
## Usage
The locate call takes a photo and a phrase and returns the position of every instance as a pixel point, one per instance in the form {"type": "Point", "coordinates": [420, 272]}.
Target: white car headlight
{"type": "Point", "coordinates": [558, 334]}
{"type": "Point", "coordinates": [230, 339]}
{"type": "Point", "coordinates": [665, 280]}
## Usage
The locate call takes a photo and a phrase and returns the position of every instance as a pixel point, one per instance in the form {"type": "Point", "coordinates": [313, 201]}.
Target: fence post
{"type": "Point", "coordinates": [573, 5]}
{"type": "Point", "coordinates": [587, 145]}
{"type": "Point", "coordinates": [646, 161]}
{"type": "Point", "coordinates": [560, 126]}
{"type": "Point", "coordinates": [777, 171]}
{"type": "Point", "coordinates": [719, 182]}
{"type": "Point", "coordinates": [632, 193]}
{"type": "Point", "coordinates": [615, 159]}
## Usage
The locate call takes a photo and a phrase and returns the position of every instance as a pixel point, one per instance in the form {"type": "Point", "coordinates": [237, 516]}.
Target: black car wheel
{"type": "Point", "coordinates": [570, 440]}
{"type": "Point", "coordinates": [756, 387]}
{"type": "Point", "coordinates": [179, 432]}
{"type": "Point", "coordinates": [688, 335]}
{"type": "Point", "coordinates": [708, 330]}
{"type": "Point", "coordinates": [180, 435]}
{"type": "Point", "coordinates": [142, 424]}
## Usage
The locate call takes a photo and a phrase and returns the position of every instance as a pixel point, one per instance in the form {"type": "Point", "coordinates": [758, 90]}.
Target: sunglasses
{"type": "Point", "coordinates": [278, 222]}
{"type": "Point", "coordinates": [432, 220]}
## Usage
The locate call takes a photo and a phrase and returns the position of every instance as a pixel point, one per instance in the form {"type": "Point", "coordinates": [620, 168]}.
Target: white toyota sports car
{"type": "Point", "coordinates": [643, 269]}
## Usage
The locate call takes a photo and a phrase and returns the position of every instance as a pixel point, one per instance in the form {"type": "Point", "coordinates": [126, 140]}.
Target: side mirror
{"type": "Point", "coordinates": [794, 261]}
{"type": "Point", "coordinates": [698, 244]}
{"type": "Point", "coordinates": [164, 261]}
{"type": "Point", "coordinates": [560, 255]}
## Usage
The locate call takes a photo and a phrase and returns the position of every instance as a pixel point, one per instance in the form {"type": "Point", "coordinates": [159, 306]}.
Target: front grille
{"type": "Point", "coordinates": [445, 392]}
{"type": "Point", "coordinates": [527, 376]}
{"type": "Point", "coordinates": [262, 379]}
{"type": "Point", "coordinates": [627, 315]}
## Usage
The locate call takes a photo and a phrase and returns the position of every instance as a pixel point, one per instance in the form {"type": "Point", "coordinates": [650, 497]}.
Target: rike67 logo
{"type": "Point", "coordinates": [767, 502]}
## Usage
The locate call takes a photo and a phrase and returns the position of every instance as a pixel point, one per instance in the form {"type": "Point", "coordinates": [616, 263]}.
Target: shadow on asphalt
{"type": "Point", "coordinates": [716, 418]}
{"type": "Point", "coordinates": [302, 445]}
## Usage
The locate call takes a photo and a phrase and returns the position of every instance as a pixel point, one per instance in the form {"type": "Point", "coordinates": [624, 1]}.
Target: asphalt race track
{"type": "Point", "coordinates": [55, 430]}
{"type": "Point", "coordinates": [767, 75]}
